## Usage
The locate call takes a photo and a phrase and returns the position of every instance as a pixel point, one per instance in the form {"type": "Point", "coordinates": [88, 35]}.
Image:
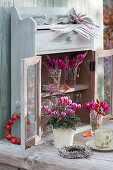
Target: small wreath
{"type": "Point", "coordinates": [73, 152]}
{"type": "Point", "coordinates": [8, 126]}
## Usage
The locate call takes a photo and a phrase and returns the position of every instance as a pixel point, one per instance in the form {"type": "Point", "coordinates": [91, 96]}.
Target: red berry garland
{"type": "Point", "coordinates": [14, 140]}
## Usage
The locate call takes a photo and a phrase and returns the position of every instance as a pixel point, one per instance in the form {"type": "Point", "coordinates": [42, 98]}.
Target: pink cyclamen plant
{"type": "Point", "coordinates": [62, 115]}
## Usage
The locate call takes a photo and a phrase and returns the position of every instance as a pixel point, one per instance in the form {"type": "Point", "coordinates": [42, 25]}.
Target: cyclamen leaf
{"type": "Point", "coordinates": [51, 121]}
{"type": "Point", "coordinates": [74, 122]}
{"type": "Point", "coordinates": [56, 126]}
{"type": "Point", "coordinates": [66, 119]}
{"type": "Point", "coordinates": [64, 126]}
{"type": "Point", "coordinates": [73, 127]}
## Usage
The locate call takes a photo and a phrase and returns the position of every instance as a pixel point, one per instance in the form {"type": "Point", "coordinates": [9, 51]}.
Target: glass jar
{"type": "Point", "coordinates": [54, 77]}
{"type": "Point", "coordinates": [96, 121]}
{"type": "Point", "coordinates": [71, 76]}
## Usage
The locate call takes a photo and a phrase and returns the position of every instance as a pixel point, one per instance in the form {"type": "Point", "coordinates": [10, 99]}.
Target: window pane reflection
{"type": "Point", "coordinates": [31, 102]}
{"type": "Point", "coordinates": [105, 80]}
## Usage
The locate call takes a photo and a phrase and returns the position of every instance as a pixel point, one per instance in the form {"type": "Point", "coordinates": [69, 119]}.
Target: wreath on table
{"type": "Point", "coordinates": [8, 127]}
{"type": "Point", "coordinates": [73, 152]}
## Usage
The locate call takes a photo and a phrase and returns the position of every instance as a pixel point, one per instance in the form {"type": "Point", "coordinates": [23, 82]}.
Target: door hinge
{"type": "Point", "coordinates": [92, 66]}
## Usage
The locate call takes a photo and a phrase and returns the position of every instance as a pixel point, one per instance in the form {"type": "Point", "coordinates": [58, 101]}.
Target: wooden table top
{"type": "Point", "coordinates": [46, 157]}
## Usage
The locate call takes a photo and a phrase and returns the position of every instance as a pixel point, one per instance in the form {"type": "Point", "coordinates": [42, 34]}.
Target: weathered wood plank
{"type": "Point", "coordinates": [63, 3]}
{"type": "Point", "coordinates": [4, 63]}
{"type": "Point", "coordinates": [19, 51]}
{"type": "Point", "coordinates": [7, 167]}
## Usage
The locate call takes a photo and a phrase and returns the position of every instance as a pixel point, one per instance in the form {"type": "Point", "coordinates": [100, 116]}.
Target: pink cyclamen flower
{"type": "Point", "coordinates": [105, 104]}
{"type": "Point", "coordinates": [46, 108]}
{"type": "Point", "coordinates": [54, 107]}
{"type": "Point", "coordinates": [55, 114]}
{"type": "Point", "coordinates": [63, 114]}
{"type": "Point", "coordinates": [65, 99]}
{"type": "Point", "coordinates": [72, 63]}
{"type": "Point", "coordinates": [106, 109]}
{"type": "Point", "coordinates": [69, 102]}
{"type": "Point", "coordinates": [74, 106]}
{"type": "Point", "coordinates": [80, 57]}
{"type": "Point", "coordinates": [69, 107]}
{"type": "Point", "coordinates": [49, 111]}
{"type": "Point", "coordinates": [70, 112]}
{"type": "Point", "coordinates": [92, 106]}
{"type": "Point", "coordinates": [61, 100]}
{"type": "Point", "coordinates": [78, 106]}
{"type": "Point", "coordinates": [61, 64]}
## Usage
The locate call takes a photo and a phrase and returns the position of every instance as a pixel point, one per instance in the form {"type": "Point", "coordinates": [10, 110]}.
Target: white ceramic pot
{"type": "Point", "coordinates": [63, 137]}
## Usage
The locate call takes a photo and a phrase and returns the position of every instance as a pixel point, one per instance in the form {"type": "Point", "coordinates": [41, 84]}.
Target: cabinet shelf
{"type": "Point", "coordinates": [78, 87]}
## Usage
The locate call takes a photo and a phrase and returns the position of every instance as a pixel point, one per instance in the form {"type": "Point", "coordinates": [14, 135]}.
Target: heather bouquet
{"type": "Point", "coordinates": [80, 19]}
{"type": "Point", "coordinates": [97, 111]}
{"type": "Point", "coordinates": [62, 115]}
{"type": "Point", "coordinates": [72, 71]}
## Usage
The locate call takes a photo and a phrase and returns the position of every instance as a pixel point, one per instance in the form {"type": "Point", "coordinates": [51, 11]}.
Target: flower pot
{"type": "Point", "coordinates": [96, 121]}
{"type": "Point", "coordinates": [63, 137]}
{"type": "Point", "coordinates": [54, 77]}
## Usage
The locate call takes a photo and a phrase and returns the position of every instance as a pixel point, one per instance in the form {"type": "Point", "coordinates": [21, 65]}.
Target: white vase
{"type": "Point", "coordinates": [63, 137]}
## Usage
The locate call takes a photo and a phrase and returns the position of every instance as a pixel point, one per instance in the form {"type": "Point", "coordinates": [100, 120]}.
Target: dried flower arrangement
{"type": "Point", "coordinates": [79, 19]}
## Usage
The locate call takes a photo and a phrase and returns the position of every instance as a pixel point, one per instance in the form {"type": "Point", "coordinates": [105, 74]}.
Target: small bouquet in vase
{"type": "Point", "coordinates": [72, 71]}
{"type": "Point", "coordinates": [97, 111]}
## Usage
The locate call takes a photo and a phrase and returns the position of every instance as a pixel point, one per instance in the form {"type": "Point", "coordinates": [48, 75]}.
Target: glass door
{"type": "Point", "coordinates": [30, 102]}
{"type": "Point", "coordinates": [105, 79]}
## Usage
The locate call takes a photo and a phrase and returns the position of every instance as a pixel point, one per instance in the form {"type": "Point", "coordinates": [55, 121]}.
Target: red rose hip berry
{"type": "Point", "coordinates": [10, 121]}
{"type": "Point", "coordinates": [9, 137]}
{"type": "Point", "coordinates": [7, 133]}
{"type": "Point", "coordinates": [13, 140]}
{"type": "Point", "coordinates": [14, 117]}
{"type": "Point", "coordinates": [18, 141]}
{"type": "Point", "coordinates": [8, 127]}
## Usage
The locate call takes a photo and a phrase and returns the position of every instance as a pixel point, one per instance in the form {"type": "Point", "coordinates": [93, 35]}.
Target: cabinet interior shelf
{"type": "Point", "coordinates": [78, 87]}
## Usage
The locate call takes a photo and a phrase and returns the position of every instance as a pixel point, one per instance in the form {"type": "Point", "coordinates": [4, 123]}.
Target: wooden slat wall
{"type": "Point", "coordinates": [93, 9]}
{"type": "Point", "coordinates": [4, 62]}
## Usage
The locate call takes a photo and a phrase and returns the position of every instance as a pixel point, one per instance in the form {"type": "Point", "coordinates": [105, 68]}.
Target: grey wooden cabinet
{"type": "Point", "coordinates": [28, 39]}
{"type": "Point", "coordinates": [93, 10]}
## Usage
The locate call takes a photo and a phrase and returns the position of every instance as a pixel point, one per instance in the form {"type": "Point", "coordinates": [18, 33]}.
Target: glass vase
{"type": "Point", "coordinates": [54, 77]}
{"type": "Point", "coordinates": [96, 121]}
{"type": "Point", "coordinates": [71, 76]}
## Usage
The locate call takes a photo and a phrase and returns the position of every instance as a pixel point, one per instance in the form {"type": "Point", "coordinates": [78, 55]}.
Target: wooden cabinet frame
{"type": "Point", "coordinates": [25, 63]}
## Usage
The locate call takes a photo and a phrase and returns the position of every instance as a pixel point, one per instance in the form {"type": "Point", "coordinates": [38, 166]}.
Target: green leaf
{"type": "Point", "coordinates": [56, 126]}
{"type": "Point", "coordinates": [66, 119]}
{"type": "Point", "coordinates": [52, 120]}
{"type": "Point", "coordinates": [64, 126]}
{"type": "Point", "coordinates": [73, 127]}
